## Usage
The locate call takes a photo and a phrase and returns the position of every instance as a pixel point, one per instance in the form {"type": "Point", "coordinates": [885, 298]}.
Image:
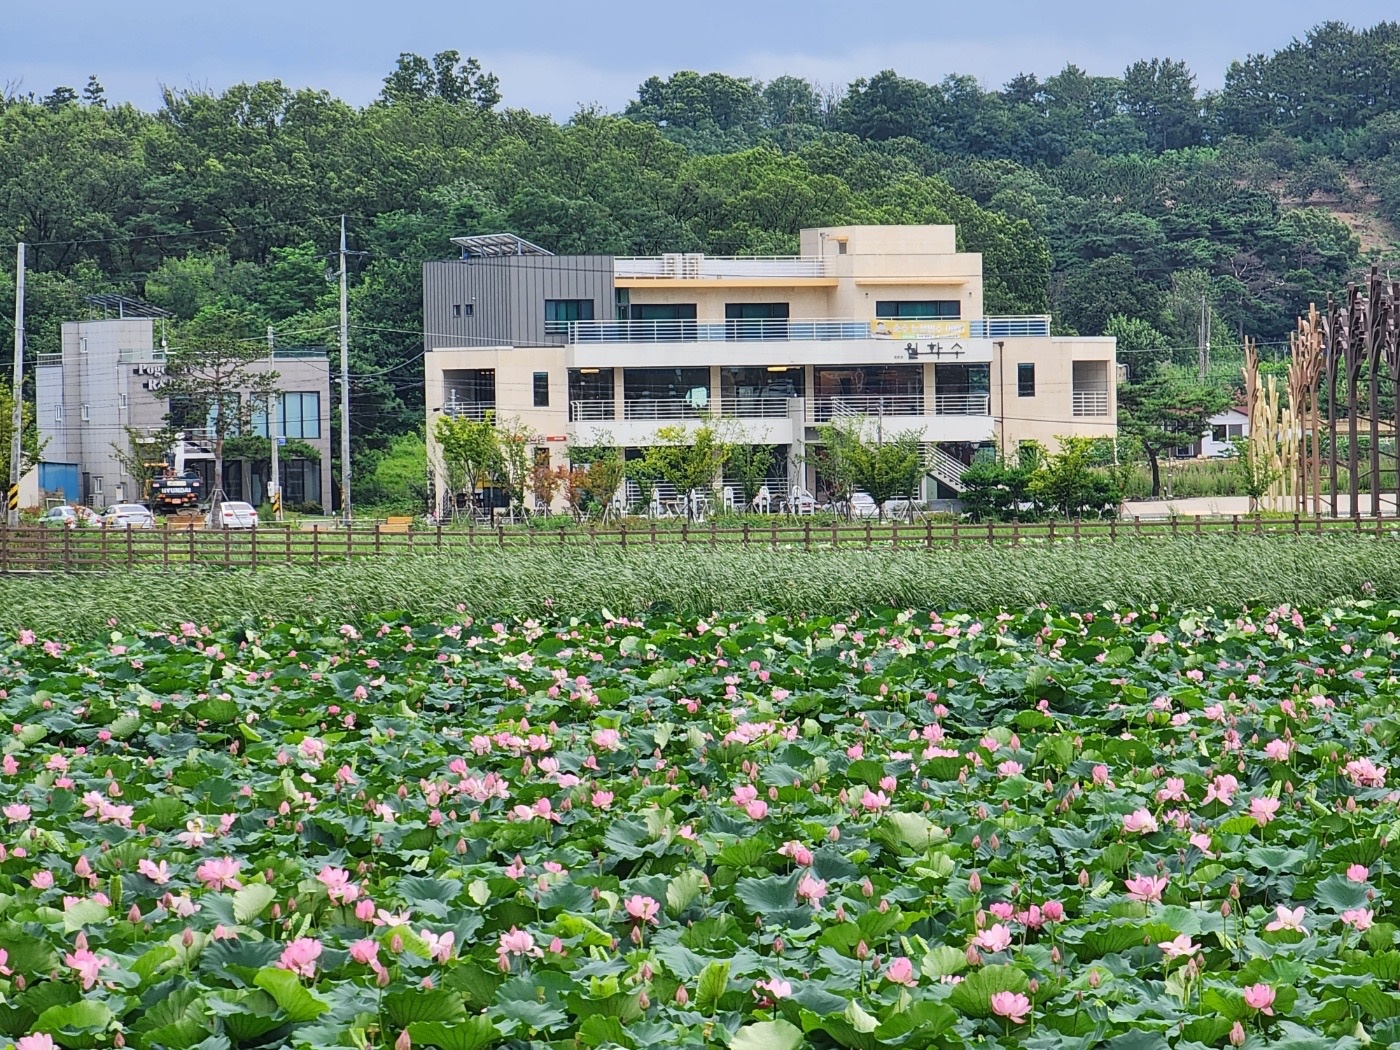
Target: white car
{"type": "Point", "coordinates": [863, 505]}
{"type": "Point", "coordinates": [232, 514]}
{"type": "Point", "coordinates": [69, 517]}
{"type": "Point", "coordinates": [128, 516]}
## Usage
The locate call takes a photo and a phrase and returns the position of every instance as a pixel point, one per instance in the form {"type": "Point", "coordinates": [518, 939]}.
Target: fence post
{"type": "Point", "coordinates": [439, 537]}
{"type": "Point", "coordinates": [1198, 524]}
{"type": "Point", "coordinates": [67, 550]}
{"type": "Point", "coordinates": [1317, 524]}
{"type": "Point", "coordinates": [316, 544]}
{"type": "Point", "coordinates": [501, 536]}
{"type": "Point", "coordinates": [102, 546]}
{"type": "Point", "coordinates": [955, 530]}
{"type": "Point", "coordinates": [806, 535]}
{"type": "Point", "coordinates": [653, 532]}
{"type": "Point", "coordinates": [835, 536]}
{"type": "Point", "coordinates": [1077, 536]}
{"type": "Point", "coordinates": [991, 533]}
{"type": "Point", "coordinates": [1050, 534]}
{"type": "Point", "coordinates": [685, 531]}
{"type": "Point", "coordinates": [4, 548]}
{"type": "Point", "coordinates": [287, 542]}
{"type": "Point", "coordinates": [773, 533]}
{"type": "Point", "coordinates": [622, 534]}
{"type": "Point", "coordinates": [253, 549]}
{"type": "Point", "coordinates": [745, 540]}
{"type": "Point", "coordinates": [928, 533]}
{"type": "Point", "coordinates": [894, 535]}
{"type": "Point", "coordinates": [378, 540]}
{"type": "Point", "coordinates": [165, 548]}
{"type": "Point", "coordinates": [1137, 526]}
{"type": "Point", "coordinates": [228, 554]}
{"type": "Point", "coordinates": [1234, 524]}
{"type": "Point", "coordinates": [714, 536]}
{"type": "Point", "coordinates": [1297, 524]}
{"type": "Point", "coordinates": [1258, 524]}
{"type": "Point", "coordinates": [189, 535]}
{"type": "Point", "coordinates": [1112, 530]}
{"type": "Point", "coordinates": [868, 542]}
{"type": "Point", "coordinates": [1176, 526]}
{"type": "Point", "coordinates": [1015, 532]}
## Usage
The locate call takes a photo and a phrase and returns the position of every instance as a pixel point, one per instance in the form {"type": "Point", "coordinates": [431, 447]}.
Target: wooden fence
{"type": "Point", "coordinates": [37, 549]}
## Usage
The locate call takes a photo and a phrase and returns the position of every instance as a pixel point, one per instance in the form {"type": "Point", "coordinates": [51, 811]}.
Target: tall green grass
{"type": "Point", "coordinates": [1220, 571]}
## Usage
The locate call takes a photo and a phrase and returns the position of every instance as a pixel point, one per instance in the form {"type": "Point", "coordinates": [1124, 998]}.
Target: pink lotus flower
{"type": "Point", "coordinates": [17, 813]}
{"type": "Point", "coordinates": [1260, 997]}
{"type": "Point", "coordinates": [300, 956]}
{"type": "Point", "coordinates": [1146, 888]}
{"type": "Point", "coordinates": [811, 890]}
{"type": "Point", "coordinates": [1359, 919]}
{"type": "Point", "coordinates": [1276, 750]}
{"type": "Point", "coordinates": [607, 739]}
{"type": "Point", "coordinates": [643, 909]}
{"type": "Point", "coordinates": [1140, 822]}
{"type": "Point", "coordinates": [439, 947]}
{"type": "Point", "coordinates": [157, 873]}
{"type": "Point", "coordinates": [219, 873]}
{"type": "Point", "coordinates": [1364, 773]}
{"type": "Point", "coordinates": [901, 971]}
{"type": "Point", "coordinates": [1263, 809]}
{"type": "Point", "coordinates": [1287, 919]}
{"type": "Point", "coordinates": [874, 801]}
{"type": "Point", "coordinates": [757, 809]}
{"type": "Point", "coordinates": [1178, 947]}
{"type": "Point", "coordinates": [1010, 769]}
{"type": "Point", "coordinates": [340, 888]}
{"type": "Point", "coordinates": [41, 879]}
{"type": "Point", "coordinates": [517, 943]}
{"type": "Point", "coordinates": [1012, 1005]}
{"type": "Point", "coordinates": [1358, 873]}
{"type": "Point", "coordinates": [5, 971]}
{"type": "Point", "coordinates": [87, 965]}
{"type": "Point", "coordinates": [1222, 789]}
{"type": "Point", "coordinates": [1053, 911]}
{"type": "Point", "coordinates": [365, 952]}
{"type": "Point", "coordinates": [776, 987]}
{"type": "Point", "coordinates": [38, 1041]}
{"type": "Point", "coordinates": [1174, 791]}
{"type": "Point", "coordinates": [995, 938]}
{"type": "Point", "coordinates": [799, 853]}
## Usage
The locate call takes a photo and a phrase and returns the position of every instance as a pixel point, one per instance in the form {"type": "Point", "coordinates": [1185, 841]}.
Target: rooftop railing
{"type": "Point", "coordinates": [819, 329]}
{"type": "Point", "coordinates": [697, 266]}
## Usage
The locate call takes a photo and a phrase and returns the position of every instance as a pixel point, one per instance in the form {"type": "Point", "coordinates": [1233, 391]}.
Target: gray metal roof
{"type": "Point", "coordinates": [491, 245]}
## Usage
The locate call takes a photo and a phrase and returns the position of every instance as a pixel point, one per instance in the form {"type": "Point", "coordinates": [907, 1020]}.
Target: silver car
{"type": "Point", "coordinates": [232, 514]}
{"type": "Point", "coordinates": [128, 516]}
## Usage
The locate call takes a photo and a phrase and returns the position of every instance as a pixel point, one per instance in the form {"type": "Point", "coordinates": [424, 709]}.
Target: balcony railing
{"type": "Point", "coordinates": [667, 408]}
{"type": "Point", "coordinates": [754, 407]}
{"type": "Point", "coordinates": [1010, 328]}
{"type": "Point", "coordinates": [962, 404]}
{"type": "Point", "coordinates": [1090, 403]}
{"type": "Point", "coordinates": [826, 409]}
{"type": "Point", "coordinates": [697, 266]}
{"type": "Point", "coordinates": [46, 360]}
{"type": "Point", "coordinates": [468, 409]}
{"type": "Point", "coordinates": [817, 329]}
{"type": "Point", "coordinates": [592, 411]}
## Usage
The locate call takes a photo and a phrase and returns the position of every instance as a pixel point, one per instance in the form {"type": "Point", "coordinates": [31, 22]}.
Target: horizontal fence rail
{"type": "Point", "coordinates": [29, 549]}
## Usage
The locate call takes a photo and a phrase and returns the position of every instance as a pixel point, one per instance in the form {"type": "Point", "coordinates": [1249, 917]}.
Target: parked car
{"type": "Point", "coordinates": [863, 505]}
{"type": "Point", "coordinates": [232, 514]}
{"type": "Point", "coordinates": [128, 516]}
{"type": "Point", "coordinates": [69, 517]}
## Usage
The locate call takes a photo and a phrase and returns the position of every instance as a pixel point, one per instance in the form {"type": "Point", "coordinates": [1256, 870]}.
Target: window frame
{"type": "Point", "coordinates": [540, 384]}
{"type": "Point", "coordinates": [1025, 379]}
{"type": "Point", "coordinates": [573, 310]}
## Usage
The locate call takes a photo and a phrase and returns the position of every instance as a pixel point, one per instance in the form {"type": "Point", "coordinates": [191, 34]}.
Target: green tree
{"type": "Point", "coordinates": [513, 462]}
{"type": "Point", "coordinates": [889, 468]}
{"type": "Point", "coordinates": [216, 377]}
{"type": "Point", "coordinates": [1164, 411]}
{"type": "Point", "coordinates": [445, 76]}
{"type": "Point", "coordinates": [1068, 483]}
{"type": "Point", "coordinates": [749, 465]}
{"type": "Point", "coordinates": [470, 455]}
{"type": "Point", "coordinates": [692, 461]}
{"type": "Point", "coordinates": [30, 446]}
{"type": "Point", "coordinates": [1140, 346]}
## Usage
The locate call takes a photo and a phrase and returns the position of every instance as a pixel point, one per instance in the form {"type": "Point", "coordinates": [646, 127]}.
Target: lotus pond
{"type": "Point", "coordinates": [898, 829]}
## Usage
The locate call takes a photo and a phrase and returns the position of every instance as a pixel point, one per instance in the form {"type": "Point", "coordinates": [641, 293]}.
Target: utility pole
{"type": "Point", "coordinates": [1201, 338]}
{"type": "Point", "coordinates": [344, 386]}
{"type": "Point", "coordinates": [16, 439]}
{"type": "Point", "coordinates": [274, 485]}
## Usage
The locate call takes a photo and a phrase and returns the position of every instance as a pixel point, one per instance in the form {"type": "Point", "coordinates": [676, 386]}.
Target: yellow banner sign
{"type": "Point", "coordinates": [914, 328]}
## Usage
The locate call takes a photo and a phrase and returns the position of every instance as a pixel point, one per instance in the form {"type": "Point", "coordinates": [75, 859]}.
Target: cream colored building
{"type": "Point", "coordinates": [879, 325]}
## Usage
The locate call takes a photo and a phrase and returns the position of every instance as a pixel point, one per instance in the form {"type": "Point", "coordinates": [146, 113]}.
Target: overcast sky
{"type": "Point", "coordinates": [552, 56]}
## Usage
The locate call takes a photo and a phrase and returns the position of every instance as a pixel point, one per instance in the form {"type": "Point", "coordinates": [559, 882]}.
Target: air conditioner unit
{"type": "Point", "coordinates": [692, 263]}
{"type": "Point", "coordinates": [671, 263]}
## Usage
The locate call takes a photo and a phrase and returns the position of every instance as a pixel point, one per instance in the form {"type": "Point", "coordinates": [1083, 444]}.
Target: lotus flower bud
{"type": "Point", "coordinates": [973, 958]}
{"type": "Point", "coordinates": [1094, 978]}
{"type": "Point", "coordinates": [778, 945]}
{"type": "Point", "coordinates": [682, 996]}
{"type": "Point", "coordinates": [187, 938]}
{"type": "Point", "coordinates": [1237, 1034]}
{"type": "Point", "coordinates": [867, 889]}
{"type": "Point", "coordinates": [119, 1040]}
{"type": "Point", "coordinates": [1083, 878]}
{"type": "Point", "coordinates": [403, 1042]}
{"type": "Point", "coordinates": [80, 942]}
{"type": "Point", "coordinates": [862, 952]}
{"type": "Point", "coordinates": [396, 944]}
{"type": "Point", "coordinates": [974, 883]}
{"type": "Point", "coordinates": [133, 915]}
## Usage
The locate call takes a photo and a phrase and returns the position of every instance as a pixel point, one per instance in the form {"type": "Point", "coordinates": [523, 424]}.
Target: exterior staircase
{"type": "Point", "coordinates": [945, 468]}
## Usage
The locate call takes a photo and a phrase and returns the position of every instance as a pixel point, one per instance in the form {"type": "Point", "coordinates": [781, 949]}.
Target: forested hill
{"type": "Point", "coordinates": [1118, 203]}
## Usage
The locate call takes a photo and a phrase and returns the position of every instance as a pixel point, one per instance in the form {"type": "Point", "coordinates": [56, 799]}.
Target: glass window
{"type": "Point", "coordinates": [559, 312]}
{"type": "Point", "coordinates": [756, 320]}
{"type": "Point", "coordinates": [928, 309]}
{"type": "Point", "coordinates": [1025, 380]}
{"type": "Point", "coordinates": [298, 416]}
{"type": "Point", "coordinates": [541, 389]}
{"type": "Point", "coordinates": [663, 311]}
{"type": "Point", "coordinates": [1218, 433]}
